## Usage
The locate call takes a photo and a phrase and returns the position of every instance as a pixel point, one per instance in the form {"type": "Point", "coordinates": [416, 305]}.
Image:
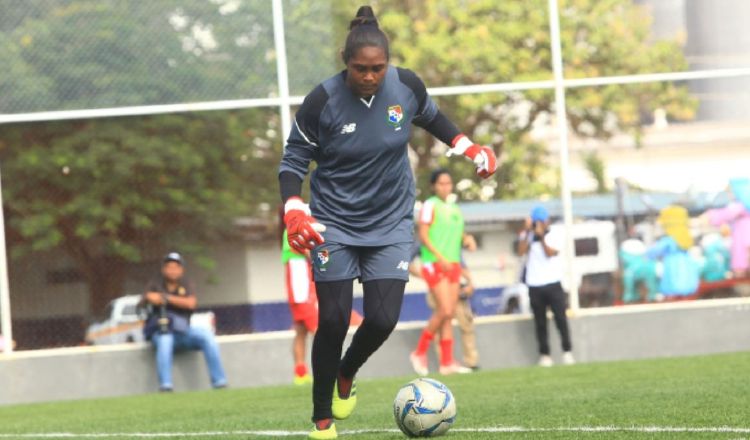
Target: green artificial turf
{"type": "Point", "coordinates": [556, 403]}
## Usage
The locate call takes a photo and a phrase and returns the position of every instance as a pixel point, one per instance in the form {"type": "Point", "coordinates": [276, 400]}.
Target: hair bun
{"type": "Point", "coordinates": [365, 17]}
{"type": "Point", "coordinates": [364, 32]}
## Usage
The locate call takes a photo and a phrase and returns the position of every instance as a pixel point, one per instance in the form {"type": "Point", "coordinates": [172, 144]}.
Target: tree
{"type": "Point", "coordinates": [108, 53]}
{"type": "Point", "coordinates": [455, 42]}
{"type": "Point", "coordinates": [595, 165]}
{"type": "Point", "coordinates": [112, 192]}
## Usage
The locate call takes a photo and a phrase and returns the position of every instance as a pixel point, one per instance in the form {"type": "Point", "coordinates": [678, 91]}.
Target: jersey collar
{"type": "Point", "coordinates": [367, 102]}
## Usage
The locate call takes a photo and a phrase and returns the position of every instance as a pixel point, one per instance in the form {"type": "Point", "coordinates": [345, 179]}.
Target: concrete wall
{"type": "Point", "coordinates": [228, 284]}
{"type": "Point", "coordinates": [715, 35]}
{"type": "Point", "coordinates": [505, 341]}
{"type": "Point", "coordinates": [718, 37]}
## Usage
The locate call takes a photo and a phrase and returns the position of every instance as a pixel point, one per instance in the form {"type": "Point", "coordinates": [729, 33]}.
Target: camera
{"type": "Point", "coordinates": [536, 225]}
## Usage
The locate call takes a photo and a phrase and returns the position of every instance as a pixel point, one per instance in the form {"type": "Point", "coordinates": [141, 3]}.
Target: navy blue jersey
{"type": "Point", "coordinates": [362, 189]}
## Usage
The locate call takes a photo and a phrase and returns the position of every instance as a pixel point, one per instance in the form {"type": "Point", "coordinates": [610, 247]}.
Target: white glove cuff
{"type": "Point", "coordinates": [462, 145]}
{"type": "Point", "coordinates": [295, 203]}
{"type": "Point", "coordinates": [481, 160]}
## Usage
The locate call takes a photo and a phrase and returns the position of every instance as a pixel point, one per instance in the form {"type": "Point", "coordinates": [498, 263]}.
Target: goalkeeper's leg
{"type": "Point", "coordinates": [382, 305]}
{"type": "Point", "coordinates": [334, 311]}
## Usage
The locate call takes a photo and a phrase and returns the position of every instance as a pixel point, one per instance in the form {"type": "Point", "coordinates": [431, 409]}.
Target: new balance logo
{"type": "Point", "coordinates": [403, 265]}
{"type": "Point", "coordinates": [349, 128]}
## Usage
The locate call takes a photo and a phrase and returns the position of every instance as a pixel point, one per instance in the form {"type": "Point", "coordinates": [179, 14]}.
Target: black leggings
{"type": "Point", "coordinates": [382, 305]}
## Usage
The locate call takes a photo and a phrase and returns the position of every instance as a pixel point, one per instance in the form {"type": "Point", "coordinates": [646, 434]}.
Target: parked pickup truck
{"type": "Point", "coordinates": [123, 322]}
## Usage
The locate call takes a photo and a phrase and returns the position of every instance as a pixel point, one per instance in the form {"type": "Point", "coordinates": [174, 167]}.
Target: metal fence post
{"type": "Point", "coordinates": [562, 131]}
{"type": "Point", "coordinates": [5, 323]}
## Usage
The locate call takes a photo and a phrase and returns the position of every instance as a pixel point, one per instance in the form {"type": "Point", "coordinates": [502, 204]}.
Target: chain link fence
{"type": "Point", "coordinates": [65, 55]}
{"type": "Point", "coordinates": [92, 206]}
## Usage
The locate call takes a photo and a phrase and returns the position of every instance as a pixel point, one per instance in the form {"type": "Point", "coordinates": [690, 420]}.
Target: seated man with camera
{"type": "Point", "coordinates": [170, 301]}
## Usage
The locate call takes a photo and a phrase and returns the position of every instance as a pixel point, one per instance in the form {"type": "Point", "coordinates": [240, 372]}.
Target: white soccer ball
{"type": "Point", "coordinates": [424, 407]}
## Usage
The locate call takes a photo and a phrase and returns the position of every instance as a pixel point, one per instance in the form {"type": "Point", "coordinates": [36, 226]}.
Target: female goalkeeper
{"type": "Point", "coordinates": [355, 126]}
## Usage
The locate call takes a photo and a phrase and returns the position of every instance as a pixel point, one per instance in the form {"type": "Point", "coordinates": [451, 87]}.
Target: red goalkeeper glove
{"type": "Point", "coordinates": [483, 157]}
{"type": "Point", "coordinates": [303, 231]}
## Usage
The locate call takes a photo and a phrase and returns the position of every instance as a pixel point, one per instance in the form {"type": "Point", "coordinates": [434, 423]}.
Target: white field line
{"type": "Point", "coordinates": [281, 433]}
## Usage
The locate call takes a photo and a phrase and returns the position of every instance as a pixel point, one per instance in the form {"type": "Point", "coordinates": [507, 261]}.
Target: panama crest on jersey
{"type": "Point", "coordinates": [395, 115]}
{"type": "Point", "coordinates": [322, 257]}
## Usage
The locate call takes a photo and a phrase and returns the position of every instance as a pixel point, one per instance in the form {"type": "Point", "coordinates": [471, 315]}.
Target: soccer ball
{"type": "Point", "coordinates": [424, 408]}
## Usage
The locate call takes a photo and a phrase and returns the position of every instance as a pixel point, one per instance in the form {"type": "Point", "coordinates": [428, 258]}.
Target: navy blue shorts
{"type": "Point", "coordinates": [336, 262]}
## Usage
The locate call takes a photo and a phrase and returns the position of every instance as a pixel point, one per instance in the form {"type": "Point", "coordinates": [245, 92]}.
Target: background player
{"type": "Point", "coordinates": [303, 305]}
{"type": "Point", "coordinates": [355, 126]}
{"type": "Point", "coordinates": [464, 314]}
{"type": "Point", "coordinates": [441, 231]}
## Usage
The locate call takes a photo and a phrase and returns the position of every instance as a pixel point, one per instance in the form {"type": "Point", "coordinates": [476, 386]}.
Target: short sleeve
{"type": "Point", "coordinates": [427, 214]}
{"type": "Point", "coordinates": [555, 239]}
{"type": "Point", "coordinates": [189, 288]}
{"type": "Point", "coordinates": [426, 107]}
{"type": "Point", "coordinates": [302, 144]}
{"type": "Point", "coordinates": [299, 280]}
{"type": "Point", "coordinates": [307, 118]}
{"type": "Point", "coordinates": [153, 286]}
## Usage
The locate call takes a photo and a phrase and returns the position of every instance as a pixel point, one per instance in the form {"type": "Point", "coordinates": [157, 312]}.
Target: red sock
{"type": "Point", "coordinates": [323, 424]}
{"type": "Point", "coordinates": [300, 369]}
{"type": "Point", "coordinates": [446, 352]}
{"type": "Point", "coordinates": [344, 385]}
{"type": "Point", "coordinates": [424, 342]}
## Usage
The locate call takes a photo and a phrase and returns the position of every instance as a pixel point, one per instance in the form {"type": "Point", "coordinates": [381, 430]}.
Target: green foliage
{"type": "Point", "coordinates": [456, 42]}
{"type": "Point", "coordinates": [148, 174]}
{"type": "Point", "coordinates": [116, 191]}
{"type": "Point", "coordinates": [105, 53]}
{"type": "Point", "coordinates": [113, 191]}
{"type": "Point", "coordinates": [595, 165]}
{"type": "Point", "coordinates": [312, 50]}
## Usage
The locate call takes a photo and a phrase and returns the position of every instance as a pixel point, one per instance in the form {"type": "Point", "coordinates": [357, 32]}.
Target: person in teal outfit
{"type": "Point", "coordinates": [637, 269]}
{"type": "Point", "coordinates": [681, 275]}
{"type": "Point", "coordinates": [716, 258]}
